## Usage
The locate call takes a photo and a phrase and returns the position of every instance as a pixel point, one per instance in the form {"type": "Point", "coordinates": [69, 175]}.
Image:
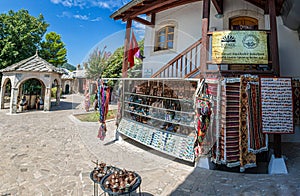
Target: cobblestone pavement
{"type": "Point", "coordinates": [50, 153]}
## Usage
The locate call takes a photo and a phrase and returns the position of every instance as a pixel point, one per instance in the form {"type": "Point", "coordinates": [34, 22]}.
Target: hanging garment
{"type": "Point", "coordinates": [103, 102]}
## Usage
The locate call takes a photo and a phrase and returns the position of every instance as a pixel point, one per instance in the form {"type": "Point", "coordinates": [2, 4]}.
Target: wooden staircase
{"type": "Point", "coordinates": [184, 65]}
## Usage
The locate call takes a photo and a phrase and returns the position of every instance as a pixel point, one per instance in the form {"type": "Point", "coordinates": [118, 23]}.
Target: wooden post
{"type": "Point", "coordinates": [205, 40]}
{"type": "Point", "coordinates": [275, 64]}
{"type": "Point", "coordinates": [274, 38]}
{"type": "Point", "coordinates": [126, 48]}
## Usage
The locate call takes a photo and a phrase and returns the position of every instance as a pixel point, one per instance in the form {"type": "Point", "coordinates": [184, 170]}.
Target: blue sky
{"type": "Point", "coordinates": [83, 24]}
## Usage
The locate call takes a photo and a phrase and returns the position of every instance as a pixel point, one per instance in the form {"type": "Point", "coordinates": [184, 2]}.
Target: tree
{"type": "Point", "coordinates": [53, 49]}
{"type": "Point", "coordinates": [114, 64]}
{"type": "Point", "coordinates": [100, 65]}
{"type": "Point", "coordinates": [68, 66]}
{"type": "Point", "coordinates": [97, 63]}
{"type": "Point", "coordinates": [20, 35]}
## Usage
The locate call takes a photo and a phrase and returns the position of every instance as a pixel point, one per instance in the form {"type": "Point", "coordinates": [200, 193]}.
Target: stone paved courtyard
{"type": "Point", "coordinates": [50, 153]}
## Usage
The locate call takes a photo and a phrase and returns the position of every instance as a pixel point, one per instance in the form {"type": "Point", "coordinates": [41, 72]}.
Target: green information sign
{"type": "Point", "coordinates": [239, 47]}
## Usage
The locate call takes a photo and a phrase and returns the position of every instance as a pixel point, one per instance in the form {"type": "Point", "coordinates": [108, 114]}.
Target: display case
{"type": "Point", "coordinates": [160, 113]}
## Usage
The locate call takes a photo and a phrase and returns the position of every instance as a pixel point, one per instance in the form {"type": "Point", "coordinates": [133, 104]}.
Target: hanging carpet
{"type": "Point", "coordinates": [257, 140]}
{"type": "Point", "coordinates": [247, 159]}
{"type": "Point", "coordinates": [229, 141]}
{"type": "Point", "coordinates": [296, 101]}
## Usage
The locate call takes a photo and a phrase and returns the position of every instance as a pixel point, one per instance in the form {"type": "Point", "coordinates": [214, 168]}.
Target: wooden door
{"type": "Point", "coordinates": [243, 23]}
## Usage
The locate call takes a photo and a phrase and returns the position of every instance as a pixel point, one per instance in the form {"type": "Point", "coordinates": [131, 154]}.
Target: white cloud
{"type": "Point", "coordinates": [81, 17]}
{"type": "Point", "coordinates": [96, 19]}
{"type": "Point", "coordinates": [55, 1]}
{"type": "Point", "coordinates": [70, 3]}
{"type": "Point", "coordinates": [107, 4]}
{"type": "Point", "coordinates": [70, 15]}
{"type": "Point", "coordinates": [65, 14]}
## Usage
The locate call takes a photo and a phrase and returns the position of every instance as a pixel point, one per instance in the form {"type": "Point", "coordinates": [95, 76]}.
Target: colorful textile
{"type": "Point", "coordinates": [133, 49]}
{"type": "Point", "coordinates": [296, 101]}
{"type": "Point", "coordinates": [103, 102]}
{"type": "Point", "coordinates": [247, 159]}
{"type": "Point", "coordinates": [257, 141]}
{"type": "Point", "coordinates": [230, 124]}
{"type": "Point", "coordinates": [102, 131]}
{"type": "Point", "coordinates": [203, 119]}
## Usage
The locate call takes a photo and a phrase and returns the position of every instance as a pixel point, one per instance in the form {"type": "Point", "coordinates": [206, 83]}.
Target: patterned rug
{"type": "Point", "coordinates": [257, 141]}
{"type": "Point", "coordinates": [296, 101]}
{"type": "Point", "coordinates": [229, 141]}
{"type": "Point", "coordinates": [247, 159]}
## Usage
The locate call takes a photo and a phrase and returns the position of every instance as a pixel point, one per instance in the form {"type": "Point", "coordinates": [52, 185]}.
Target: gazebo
{"type": "Point", "coordinates": [39, 72]}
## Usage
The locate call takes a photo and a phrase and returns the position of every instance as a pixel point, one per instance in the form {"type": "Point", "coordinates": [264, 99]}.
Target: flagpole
{"type": "Point", "coordinates": [126, 48]}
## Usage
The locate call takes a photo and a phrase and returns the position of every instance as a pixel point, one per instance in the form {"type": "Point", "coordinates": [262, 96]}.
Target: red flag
{"type": "Point", "coordinates": [133, 49]}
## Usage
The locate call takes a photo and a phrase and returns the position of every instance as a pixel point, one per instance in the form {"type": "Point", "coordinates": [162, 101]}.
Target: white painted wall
{"type": "Point", "coordinates": [187, 21]}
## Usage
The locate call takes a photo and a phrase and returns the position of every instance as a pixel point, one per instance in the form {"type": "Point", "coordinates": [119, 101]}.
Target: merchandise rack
{"type": "Point", "coordinates": [176, 110]}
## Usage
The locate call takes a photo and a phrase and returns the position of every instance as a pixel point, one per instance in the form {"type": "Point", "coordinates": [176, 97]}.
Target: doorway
{"type": "Point", "coordinates": [67, 89]}
{"type": "Point", "coordinates": [243, 23]}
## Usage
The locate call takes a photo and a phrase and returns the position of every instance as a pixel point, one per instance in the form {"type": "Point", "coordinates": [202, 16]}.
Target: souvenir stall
{"type": "Point", "coordinates": [227, 120]}
{"type": "Point", "coordinates": [160, 113]}
{"type": "Point", "coordinates": [250, 108]}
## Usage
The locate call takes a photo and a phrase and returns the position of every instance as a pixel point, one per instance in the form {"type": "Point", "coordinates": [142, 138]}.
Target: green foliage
{"type": "Point", "coordinates": [97, 62]}
{"type": "Point", "coordinates": [100, 65]}
{"type": "Point", "coordinates": [114, 64]}
{"type": "Point", "coordinates": [69, 67]}
{"type": "Point", "coordinates": [32, 86]}
{"type": "Point", "coordinates": [53, 92]}
{"type": "Point", "coordinates": [53, 49]}
{"type": "Point", "coordinates": [20, 35]}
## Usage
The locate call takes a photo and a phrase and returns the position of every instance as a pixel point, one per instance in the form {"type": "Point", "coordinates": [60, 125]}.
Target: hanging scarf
{"type": "Point", "coordinates": [103, 101]}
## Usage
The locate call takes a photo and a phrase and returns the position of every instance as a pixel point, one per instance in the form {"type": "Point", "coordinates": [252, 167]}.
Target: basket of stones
{"type": "Point", "coordinates": [120, 182]}
{"type": "Point", "coordinates": [100, 171]}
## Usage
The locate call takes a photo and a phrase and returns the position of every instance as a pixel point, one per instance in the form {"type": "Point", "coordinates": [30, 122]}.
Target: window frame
{"type": "Point", "coordinates": [166, 32]}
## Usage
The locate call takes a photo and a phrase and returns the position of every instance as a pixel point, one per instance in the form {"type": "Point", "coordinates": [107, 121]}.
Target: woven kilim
{"type": "Point", "coordinates": [230, 124]}
{"type": "Point", "coordinates": [247, 159]}
{"type": "Point", "coordinates": [296, 101]}
{"type": "Point", "coordinates": [257, 140]}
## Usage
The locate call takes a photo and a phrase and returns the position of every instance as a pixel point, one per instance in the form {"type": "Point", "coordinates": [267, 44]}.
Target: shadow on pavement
{"type": "Point", "coordinates": [215, 182]}
{"type": "Point", "coordinates": [64, 105]}
{"type": "Point", "coordinates": [156, 152]}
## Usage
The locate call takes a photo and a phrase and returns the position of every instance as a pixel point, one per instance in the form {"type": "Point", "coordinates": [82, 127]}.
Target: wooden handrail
{"type": "Point", "coordinates": [185, 62]}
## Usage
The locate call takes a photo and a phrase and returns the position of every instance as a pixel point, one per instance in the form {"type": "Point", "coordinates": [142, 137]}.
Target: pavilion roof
{"type": "Point", "coordinates": [32, 64]}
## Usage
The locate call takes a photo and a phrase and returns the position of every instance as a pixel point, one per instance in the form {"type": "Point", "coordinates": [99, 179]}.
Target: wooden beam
{"type": "Point", "coordinates": [150, 7]}
{"type": "Point", "coordinates": [205, 39]}
{"type": "Point", "coordinates": [218, 5]}
{"type": "Point", "coordinates": [143, 21]}
{"type": "Point", "coordinates": [274, 37]}
{"type": "Point", "coordinates": [153, 17]}
{"type": "Point", "coordinates": [256, 3]}
{"type": "Point", "coordinates": [275, 63]}
{"type": "Point", "coordinates": [126, 48]}
{"type": "Point", "coordinates": [169, 6]}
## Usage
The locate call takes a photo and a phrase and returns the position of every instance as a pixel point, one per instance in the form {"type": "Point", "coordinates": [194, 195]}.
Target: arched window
{"type": "Point", "coordinates": [164, 38]}
{"type": "Point", "coordinates": [243, 23]}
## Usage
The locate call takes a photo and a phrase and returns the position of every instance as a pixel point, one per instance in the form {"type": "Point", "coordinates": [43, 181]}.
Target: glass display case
{"type": "Point", "coordinates": [160, 113]}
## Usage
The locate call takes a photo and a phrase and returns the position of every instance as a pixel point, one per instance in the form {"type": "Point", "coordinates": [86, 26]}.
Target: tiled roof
{"type": "Point", "coordinates": [33, 64]}
{"type": "Point", "coordinates": [80, 73]}
{"type": "Point", "coordinates": [67, 74]}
